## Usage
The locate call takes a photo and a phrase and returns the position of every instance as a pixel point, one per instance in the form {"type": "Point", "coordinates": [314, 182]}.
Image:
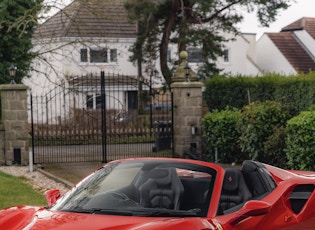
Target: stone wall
{"type": "Point", "coordinates": [14, 129]}
{"type": "Point", "coordinates": [188, 112]}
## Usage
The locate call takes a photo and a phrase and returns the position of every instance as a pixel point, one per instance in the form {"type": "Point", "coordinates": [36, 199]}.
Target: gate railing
{"type": "Point", "coordinates": [96, 118]}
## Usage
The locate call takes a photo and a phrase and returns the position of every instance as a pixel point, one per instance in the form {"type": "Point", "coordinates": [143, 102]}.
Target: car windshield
{"type": "Point", "coordinates": [143, 188]}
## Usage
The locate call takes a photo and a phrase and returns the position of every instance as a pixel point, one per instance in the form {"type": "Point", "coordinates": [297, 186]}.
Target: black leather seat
{"type": "Point", "coordinates": [258, 179]}
{"type": "Point", "coordinates": [234, 191]}
{"type": "Point", "coordinates": [162, 189]}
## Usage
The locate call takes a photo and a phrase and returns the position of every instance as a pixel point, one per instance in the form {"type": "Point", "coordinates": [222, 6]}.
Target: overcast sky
{"type": "Point", "coordinates": [302, 8]}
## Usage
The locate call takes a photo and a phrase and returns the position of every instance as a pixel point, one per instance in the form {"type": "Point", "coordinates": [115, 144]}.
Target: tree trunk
{"type": "Point", "coordinates": [165, 42]}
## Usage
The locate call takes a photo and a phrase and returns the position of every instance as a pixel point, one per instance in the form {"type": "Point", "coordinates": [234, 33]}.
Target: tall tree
{"type": "Point", "coordinates": [192, 23]}
{"type": "Point", "coordinates": [18, 19]}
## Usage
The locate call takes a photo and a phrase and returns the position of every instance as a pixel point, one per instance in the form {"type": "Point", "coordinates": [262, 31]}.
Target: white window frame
{"type": "Point", "coordinates": [112, 55]}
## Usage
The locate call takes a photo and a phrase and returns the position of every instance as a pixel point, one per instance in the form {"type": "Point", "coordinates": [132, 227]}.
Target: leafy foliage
{"type": "Point", "coordinates": [221, 135]}
{"type": "Point", "coordinates": [257, 126]}
{"type": "Point", "coordinates": [192, 23]}
{"type": "Point", "coordinates": [17, 22]}
{"type": "Point", "coordinates": [295, 93]}
{"type": "Point", "coordinates": [274, 148]}
{"type": "Point", "coordinates": [300, 141]}
{"type": "Point", "coordinates": [257, 132]}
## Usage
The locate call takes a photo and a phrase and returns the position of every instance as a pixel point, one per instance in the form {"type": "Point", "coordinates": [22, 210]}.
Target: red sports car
{"type": "Point", "coordinates": [155, 193]}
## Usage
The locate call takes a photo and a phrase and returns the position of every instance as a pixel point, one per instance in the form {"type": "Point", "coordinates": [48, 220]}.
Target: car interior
{"type": "Point", "coordinates": [251, 182]}
{"type": "Point", "coordinates": [189, 190]}
{"type": "Point", "coordinates": [164, 188]}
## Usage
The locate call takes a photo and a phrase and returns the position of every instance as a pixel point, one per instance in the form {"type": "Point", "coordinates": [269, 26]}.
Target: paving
{"type": "Point", "coordinates": [70, 172]}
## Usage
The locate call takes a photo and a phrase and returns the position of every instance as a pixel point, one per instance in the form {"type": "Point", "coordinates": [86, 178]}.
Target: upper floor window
{"type": "Point", "coordinates": [195, 55]}
{"type": "Point", "coordinates": [98, 55]}
{"type": "Point", "coordinates": [226, 55]}
{"type": "Point", "coordinates": [84, 55]}
{"type": "Point", "coordinates": [113, 55]}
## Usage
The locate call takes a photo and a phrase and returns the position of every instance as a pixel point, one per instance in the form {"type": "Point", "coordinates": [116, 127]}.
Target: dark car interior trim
{"type": "Point", "coordinates": [300, 196]}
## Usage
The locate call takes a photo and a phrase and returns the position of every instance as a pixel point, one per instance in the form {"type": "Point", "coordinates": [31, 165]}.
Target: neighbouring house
{"type": "Point", "coordinates": [290, 51]}
{"type": "Point", "coordinates": [84, 39]}
{"type": "Point", "coordinates": [238, 56]}
{"type": "Point", "coordinates": [81, 40]}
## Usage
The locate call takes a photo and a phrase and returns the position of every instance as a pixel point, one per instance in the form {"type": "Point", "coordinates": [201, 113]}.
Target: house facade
{"type": "Point", "coordinates": [290, 51]}
{"type": "Point", "coordinates": [77, 41]}
{"type": "Point", "coordinates": [238, 56]}
{"type": "Point", "coordinates": [88, 38]}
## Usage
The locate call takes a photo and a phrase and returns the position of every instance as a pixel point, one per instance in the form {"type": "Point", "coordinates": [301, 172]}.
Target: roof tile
{"type": "Point", "coordinates": [89, 18]}
{"type": "Point", "coordinates": [307, 24]}
{"type": "Point", "coordinates": [293, 51]}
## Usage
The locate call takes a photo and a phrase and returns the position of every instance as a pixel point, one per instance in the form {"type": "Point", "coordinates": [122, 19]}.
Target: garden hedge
{"type": "Point", "coordinates": [297, 93]}
{"type": "Point", "coordinates": [300, 141]}
{"type": "Point", "coordinates": [221, 136]}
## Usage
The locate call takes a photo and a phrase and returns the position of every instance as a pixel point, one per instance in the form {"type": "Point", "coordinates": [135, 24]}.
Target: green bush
{"type": "Point", "coordinates": [300, 141]}
{"type": "Point", "coordinates": [221, 92]}
{"type": "Point", "coordinates": [274, 148]}
{"type": "Point", "coordinates": [296, 93]}
{"type": "Point", "coordinates": [259, 123]}
{"type": "Point", "coordinates": [219, 133]}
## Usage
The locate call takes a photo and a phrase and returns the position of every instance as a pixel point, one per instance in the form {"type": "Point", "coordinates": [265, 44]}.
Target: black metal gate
{"type": "Point", "coordinates": [101, 118]}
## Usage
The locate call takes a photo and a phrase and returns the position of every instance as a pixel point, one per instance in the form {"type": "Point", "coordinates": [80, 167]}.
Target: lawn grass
{"type": "Point", "coordinates": [15, 191]}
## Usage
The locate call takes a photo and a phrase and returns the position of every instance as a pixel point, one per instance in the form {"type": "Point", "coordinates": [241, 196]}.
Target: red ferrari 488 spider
{"type": "Point", "coordinates": [165, 194]}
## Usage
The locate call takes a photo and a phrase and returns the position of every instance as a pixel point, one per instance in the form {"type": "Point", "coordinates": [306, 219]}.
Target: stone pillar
{"type": "Point", "coordinates": [14, 124]}
{"type": "Point", "coordinates": [187, 107]}
{"type": "Point", "coordinates": [187, 115]}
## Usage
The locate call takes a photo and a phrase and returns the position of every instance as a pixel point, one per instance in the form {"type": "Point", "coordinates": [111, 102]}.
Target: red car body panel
{"type": "Point", "coordinates": [280, 215]}
{"type": "Point", "coordinates": [272, 211]}
{"type": "Point", "coordinates": [42, 219]}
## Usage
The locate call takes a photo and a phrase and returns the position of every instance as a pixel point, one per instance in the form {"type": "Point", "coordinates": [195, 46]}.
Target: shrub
{"type": "Point", "coordinates": [257, 126]}
{"type": "Point", "coordinates": [300, 141]}
{"type": "Point", "coordinates": [296, 93]}
{"type": "Point", "coordinates": [274, 148]}
{"type": "Point", "coordinates": [220, 133]}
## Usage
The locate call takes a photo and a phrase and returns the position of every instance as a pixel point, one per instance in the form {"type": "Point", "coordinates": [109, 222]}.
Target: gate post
{"type": "Point", "coordinates": [187, 108]}
{"type": "Point", "coordinates": [14, 124]}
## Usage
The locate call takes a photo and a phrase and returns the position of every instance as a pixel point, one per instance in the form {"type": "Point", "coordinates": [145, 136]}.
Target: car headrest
{"type": "Point", "coordinates": [231, 179]}
{"type": "Point", "coordinates": [155, 173]}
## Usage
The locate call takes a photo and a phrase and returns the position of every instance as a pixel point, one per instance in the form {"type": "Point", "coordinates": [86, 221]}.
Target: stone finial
{"type": "Point", "coordinates": [183, 55]}
{"type": "Point", "coordinates": [183, 69]}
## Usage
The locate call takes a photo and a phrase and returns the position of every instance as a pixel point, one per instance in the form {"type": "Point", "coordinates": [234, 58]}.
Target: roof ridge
{"type": "Point", "coordinates": [89, 18]}
{"type": "Point", "coordinates": [299, 24]}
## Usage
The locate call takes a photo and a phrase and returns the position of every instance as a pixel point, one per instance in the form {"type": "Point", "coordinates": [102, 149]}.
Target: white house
{"type": "Point", "coordinates": [96, 36]}
{"type": "Point", "coordinates": [238, 57]}
{"type": "Point", "coordinates": [290, 51]}
{"type": "Point", "coordinates": [76, 41]}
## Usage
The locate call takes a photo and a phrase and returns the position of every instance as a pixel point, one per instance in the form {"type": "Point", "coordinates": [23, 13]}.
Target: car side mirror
{"type": "Point", "coordinates": [52, 196]}
{"type": "Point", "coordinates": [251, 208]}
